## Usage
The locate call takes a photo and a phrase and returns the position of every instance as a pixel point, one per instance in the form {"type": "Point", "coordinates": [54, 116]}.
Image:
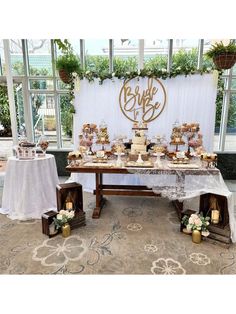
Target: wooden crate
{"type": "Point", "coordinates": [223, 205]}
{"type": "Point", "coordinates": [218, 232]}
{"type": "Point", "coordinates": [78, 221]}
{"type": "Point", "coordinates": [47, 219]}
{"type": "Point", "coordinates": [76, 192]}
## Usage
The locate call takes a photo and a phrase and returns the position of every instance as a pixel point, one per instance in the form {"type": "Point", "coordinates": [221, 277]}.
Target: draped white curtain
{"type": "Point", "coordinates": [189, 99]}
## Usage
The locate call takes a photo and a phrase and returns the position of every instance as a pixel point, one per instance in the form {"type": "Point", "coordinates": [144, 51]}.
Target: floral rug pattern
{"type": "Point", "coordinates": [134, 235]}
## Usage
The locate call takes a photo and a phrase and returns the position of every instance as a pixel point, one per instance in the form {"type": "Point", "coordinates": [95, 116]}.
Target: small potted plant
{"type": "Point", "coordinates": [224, 56]}
{"type": "Point", "coordinates": [197, 224]}
{"type": "Point", "coordinates": [62, 221]}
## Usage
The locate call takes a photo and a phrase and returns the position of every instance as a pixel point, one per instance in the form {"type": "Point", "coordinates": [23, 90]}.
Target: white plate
{"type": "Point", "coordinates": [158, 154]}
{"type": "Point", "coordinates": [121, 154]}
{"type": "Point", "coordinates": [183, 166]}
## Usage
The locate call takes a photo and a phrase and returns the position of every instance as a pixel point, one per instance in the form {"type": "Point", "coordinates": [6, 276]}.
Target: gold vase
{"type": "Point", "coordinates": [196, 236]}
{"type": "Point", "coordinates": [66, 231]}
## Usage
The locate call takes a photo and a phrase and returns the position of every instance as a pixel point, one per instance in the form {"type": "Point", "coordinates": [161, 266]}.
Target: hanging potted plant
{"type": "Point", "coordinates": [224, 56]}
{"type": "Point", "coordinates": [68, 63]}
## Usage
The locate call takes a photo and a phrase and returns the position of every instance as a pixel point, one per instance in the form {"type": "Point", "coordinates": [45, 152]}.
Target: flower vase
{"type": "Point", "coordinates": [196, 236]}
{"type": "Point", "coordinates": [66, 231]}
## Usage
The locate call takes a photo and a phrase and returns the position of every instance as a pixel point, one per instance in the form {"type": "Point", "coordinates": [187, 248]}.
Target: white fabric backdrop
{"type": "Point", "coordinates": [189, 99]}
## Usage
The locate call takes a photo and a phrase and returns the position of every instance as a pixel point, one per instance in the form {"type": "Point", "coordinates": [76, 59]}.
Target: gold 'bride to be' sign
{"type": "Point", "coordinates": [143, 102]}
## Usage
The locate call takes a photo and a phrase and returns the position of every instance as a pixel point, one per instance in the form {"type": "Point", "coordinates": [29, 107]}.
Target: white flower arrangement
{"type": "Point", "coordinates": [197, 222]}
{"type": "Point", "coordinates": [63, 217]}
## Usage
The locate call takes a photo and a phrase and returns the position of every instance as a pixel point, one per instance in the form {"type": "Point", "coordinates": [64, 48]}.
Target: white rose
{"type": "Point", "coordinates": [71, 214]}
{"type": "Point", "coordinates": [188, 227]}
{"type": "Point", "coordinates": [59, 216]}
{"type": "Point", "coordinates": [205, 233]}
{"type": "Point", "coordinates": [198, 222]}
{"type": "Point", "coordinates": [163, 70]}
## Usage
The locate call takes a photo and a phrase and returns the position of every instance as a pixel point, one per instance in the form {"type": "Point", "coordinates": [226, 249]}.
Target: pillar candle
{"type": "Point", "coordinates": [69, 205]}
{"type": "Point", "coordinates": [215, 215]}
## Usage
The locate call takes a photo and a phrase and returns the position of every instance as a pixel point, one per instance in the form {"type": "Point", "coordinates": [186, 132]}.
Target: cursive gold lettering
{"type": "Point", "coordinates": [143, 104]}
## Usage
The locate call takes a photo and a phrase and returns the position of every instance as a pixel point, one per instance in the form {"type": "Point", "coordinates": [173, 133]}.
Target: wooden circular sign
{"type": "Point", "coordinates": [143, 99]}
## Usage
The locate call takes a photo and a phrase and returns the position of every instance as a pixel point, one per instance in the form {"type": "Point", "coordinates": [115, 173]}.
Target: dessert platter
{"type": "Point", "coordinates": [137, 164]}
{"type": "Point", "coordinates": [180, 158]}
{"type": "Point", "coordinates": [210, 159]}
{"type": "Point", "coordinates": [25, 150]}
{"type": "Point", "coordinates": [75, 155]}
{"type": "Point", "coordinates": [183, 166]}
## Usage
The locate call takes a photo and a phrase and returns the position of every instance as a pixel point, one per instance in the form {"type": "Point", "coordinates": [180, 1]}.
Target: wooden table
{"type": "Point", "coordinates": [131, 190]}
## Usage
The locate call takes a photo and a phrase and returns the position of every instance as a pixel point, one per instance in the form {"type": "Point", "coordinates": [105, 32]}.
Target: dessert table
{"type": "Point", "coordinates": [29, 187]}
{"type": "Point", "coordinates": [174, 182]}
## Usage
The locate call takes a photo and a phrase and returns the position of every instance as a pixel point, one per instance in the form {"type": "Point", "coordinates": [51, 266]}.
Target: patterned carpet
{"type": "Point", "coordinates": [133, 236]}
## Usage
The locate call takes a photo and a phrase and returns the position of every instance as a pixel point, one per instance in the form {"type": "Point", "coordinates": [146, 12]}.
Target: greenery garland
{"type": "Point", "coordinates": [184, 63]}
{"type": "Point", "coordinates": [155, 73]}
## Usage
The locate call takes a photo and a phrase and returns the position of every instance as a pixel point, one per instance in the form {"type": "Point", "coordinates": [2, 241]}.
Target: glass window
{"type": "Point", "coordinates": [16, 54]}
{"type": "Point", "coordinates": [41, 84]}
{"type": "Point", "coordinates": [185, 53]}
{"type": "Point", "coordinates": [44, 117]}
{"type": "Point", "coordinates": [5, 120]}
{"type": "Point", "coordinates": [96, 55]}
{"type": "Point", "coordinates": [234, 69]}
{"type": "Point", "coordinates": [75, 43]}
{"type": "Point", "coordinates": [2, 59]}
{"type": "Point", "coordinates": [233, 84]}
{"type": "Point", "coordinates": [62, 86]}
{"type": "Point", "coordinates": [40, 61]}
{"type": "Point", "coordinates": [125, 55]}
{"type": "Point", "coordinates": [19, 102]}
{"type": "Point", "coordinates": [230, 139]}
{"type": "Point", "coordinates": [66, 121]}
{"type": "Point", "coordinates": [219, 104]}
{"type": "Point", "coordinates": [155, 53]}
{"type": "Point", "coordinates": [207, 62]}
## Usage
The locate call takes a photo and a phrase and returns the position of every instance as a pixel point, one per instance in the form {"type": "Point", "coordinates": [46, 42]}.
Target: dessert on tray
{"type": "Point", "coordinates": [74, 155]}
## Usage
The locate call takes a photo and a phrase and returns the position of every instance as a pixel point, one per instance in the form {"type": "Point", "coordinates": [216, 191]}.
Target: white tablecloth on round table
{"type": "Point", "coordinates": [29, 187]}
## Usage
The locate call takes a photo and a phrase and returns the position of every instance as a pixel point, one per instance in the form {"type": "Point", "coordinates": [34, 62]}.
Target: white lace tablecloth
{"type": "Point", "coordinates": [185, 184]}
{"type": "Point", "coordinates": [29, 187]}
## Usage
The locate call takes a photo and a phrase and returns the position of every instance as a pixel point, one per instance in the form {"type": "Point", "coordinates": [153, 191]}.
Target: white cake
{"type": "Point", "coordinates": [139, 143]}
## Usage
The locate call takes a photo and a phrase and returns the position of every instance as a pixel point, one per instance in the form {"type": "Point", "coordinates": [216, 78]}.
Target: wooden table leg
{"type": "Point", "coordinates": [99, 198]}
{"type": "Point", "coordinates": [180, 182]}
